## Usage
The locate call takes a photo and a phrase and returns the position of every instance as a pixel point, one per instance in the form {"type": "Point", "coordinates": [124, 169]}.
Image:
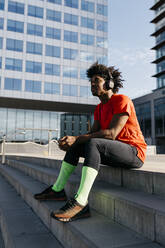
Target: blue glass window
{"type": "Point", "coordinates": [53, 15]}
{"type": "Point", "coordinates": [52, 69]}
{"type": "Point", "coordinates": [0, 62]}
{"type": "Point", "coordinates": [87, 56]}
{"type": "Point", "coordinates": [102, 26]}
{"type": "Point", "coordinates": [160, 66]}
{"type": "Point", "coordinates": [33, 86]}
{"type": "Point", "coordinates": [102, 9]}
{"type": "Point", "coordinates": [160, 37]}
{"type": "Point", "coordinates": [16, 7]}
{"type": "Point", "coordinates": [15, 26]}
{"type": "Point", "coordinates": [87, 39]}
{"type": "Point", "coordinates": [53, 33]}
{"type": "Point", "coordinates": [83, 74]}
{"type": "Point", "coordinates": [71, 36]}
{"type": "Point", "coordinates": [102, 42]}
{"type": "Point", "coordinates": [13, 84]}
{"type": "Point", "coordinates": [54, 1]}
{"type": "Point", "coordinates": [70, 53]}
{"type": "Point", "coordinates": [1, 23]}
{"type": "Point", "coordinates": [161, 81]}
{"type": "Point", "coordinates": [53, 51]}
{"type": "Point", "coordinates": [70, 72]}
{"type": "Point", "coordinates": [34, 29]}
{"type": "Point", "coordinates": [35, 48]}
{"type": "Point", "coordinates": [51, 88]}
{"type": "Point", "coordinates": [160, 52]}
{"type": "Point", "coordinates": [83, 91]}
{"type": "Point", "coordinates": [87, 91]}
{"type": "Point", "coordinates": [34, 67]}
{"type": "Point", "coordinates": [71, 19]}
{"type": "Point", "coordinates": [35, 11]}
{"type": "Point", "coordinates": [71, 3]}
{"type": "Point", "coordinates": [2, 4]}
{"type": "Point", "coordinates": [14, 45]}
{"type": "Point", "coordinates": [87, 22]}
{"type": "Point", "coordinates": [87, 6]}
{"type": "Point", "coordinates": [1, 42]}
{"type": "Point", "coordinates": [13, 64]}
{"type": "Point", "coordinates": [70, 90]}
{"type": "Point", "coordinates": [102, 59]}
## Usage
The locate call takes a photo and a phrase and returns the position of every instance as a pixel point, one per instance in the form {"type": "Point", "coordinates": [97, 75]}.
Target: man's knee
{"type": "Point", "coordinates": [76, 150]}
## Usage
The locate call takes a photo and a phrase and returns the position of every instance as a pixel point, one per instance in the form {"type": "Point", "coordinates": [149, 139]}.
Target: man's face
{"type": "Point", "coordinates": [98, 86]}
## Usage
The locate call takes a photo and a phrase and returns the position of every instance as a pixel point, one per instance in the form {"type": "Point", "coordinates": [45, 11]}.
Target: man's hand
{"type": "Point", "coordinates": [117, 123]}
{"type": "Point", "coordinates": [66, 141]}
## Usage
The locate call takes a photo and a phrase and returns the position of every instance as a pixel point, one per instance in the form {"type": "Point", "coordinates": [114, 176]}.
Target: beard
{"type": "Point", "coordinates": [94, 91]}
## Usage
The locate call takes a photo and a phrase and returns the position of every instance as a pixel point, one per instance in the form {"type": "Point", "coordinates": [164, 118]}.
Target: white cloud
{"type": "Point", "coordinates": [131, 56]}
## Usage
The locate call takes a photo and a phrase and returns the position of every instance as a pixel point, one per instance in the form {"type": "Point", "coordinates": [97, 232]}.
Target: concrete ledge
{"type": "Point", "coordinates": [134, 209]}
{"type": "Point", "coordinates": [149, 178]}
{"type": "Point", "coordinates": [81, 233]}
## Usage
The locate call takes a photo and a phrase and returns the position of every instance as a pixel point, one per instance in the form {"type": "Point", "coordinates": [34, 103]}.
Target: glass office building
{"type": "Point", "coordinates": [143, 112]}
{"type": "Point", "coordinates": [45, 48]}
{"type": "Point", "coordinates": [159, 34]}
{"type": "Point", "coordinates": [151, 108]}
{"type": "Point", "coordinates": [75, 124]}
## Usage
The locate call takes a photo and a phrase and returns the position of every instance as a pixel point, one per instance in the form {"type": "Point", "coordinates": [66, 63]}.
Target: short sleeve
{"type": "Point", "coordinates": [122, 104]}
{"type": "Point", "coordinates": [96, 113]}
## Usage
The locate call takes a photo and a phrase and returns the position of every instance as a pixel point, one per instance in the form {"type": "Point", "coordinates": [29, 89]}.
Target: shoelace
{"type": "Point", "coordinates": [70, 204]}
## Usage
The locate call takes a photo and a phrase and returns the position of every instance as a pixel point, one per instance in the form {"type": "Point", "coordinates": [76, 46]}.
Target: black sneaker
{"type": "Point", "coordinates": [49, 194]}
{"type": "Point", "coordinates": [72, 210]}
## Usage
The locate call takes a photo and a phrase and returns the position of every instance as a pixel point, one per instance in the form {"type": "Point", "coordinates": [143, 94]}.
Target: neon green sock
{"type": "Point", "coordinates": [66, 170]}
{"type": "Point", "coordinates": [87, 179]}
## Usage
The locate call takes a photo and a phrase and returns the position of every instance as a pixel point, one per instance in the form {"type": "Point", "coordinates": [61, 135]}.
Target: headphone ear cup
{"type": "Point", "coordinates": [111, 84]}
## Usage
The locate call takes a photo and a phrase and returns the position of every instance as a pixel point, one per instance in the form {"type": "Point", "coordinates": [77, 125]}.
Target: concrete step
{"type": "Point", "coordinates": [150, 178]}
{"type": "Point", "coordinates": [20, 227]}
{"type": "Point", "coordinates": [139, 211]}
{"type": "Point", "coordinates": [95, 232]}
{"type": "Point", "coordinates": [1, 241]}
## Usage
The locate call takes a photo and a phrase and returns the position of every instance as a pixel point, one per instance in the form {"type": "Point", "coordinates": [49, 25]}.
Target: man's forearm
{"type": "Point", "coordinates": [106, 134]}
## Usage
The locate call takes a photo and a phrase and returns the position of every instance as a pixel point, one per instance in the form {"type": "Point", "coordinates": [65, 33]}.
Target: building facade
{"type": "Point", "coordinates": [159, 34]}
{"type": "Point", "coordinates": [150, 111]}
{"type": "Point", "coordinates": [75, 124]}
{"type": "Point", "coordinates": [151, 108]}
{"type": "Point", "coordinates": [45, 48]}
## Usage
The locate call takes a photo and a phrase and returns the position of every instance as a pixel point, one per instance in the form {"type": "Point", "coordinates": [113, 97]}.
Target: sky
{"type": "Point", "coordinates": [130, 44]}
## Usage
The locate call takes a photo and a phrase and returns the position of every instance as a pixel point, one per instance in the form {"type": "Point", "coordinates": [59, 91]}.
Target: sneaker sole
{"type": "Point", "coordinates": [66, 220]}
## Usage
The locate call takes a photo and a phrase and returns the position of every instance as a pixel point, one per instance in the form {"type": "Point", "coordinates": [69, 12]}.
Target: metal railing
{"type": "Point", "coordinates": [29, 147]}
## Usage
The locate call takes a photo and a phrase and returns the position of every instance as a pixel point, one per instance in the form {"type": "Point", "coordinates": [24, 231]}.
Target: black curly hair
{"type": "Point", "coordinates": [102, 71]}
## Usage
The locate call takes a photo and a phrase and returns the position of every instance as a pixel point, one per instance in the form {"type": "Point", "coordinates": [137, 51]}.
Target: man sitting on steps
{"type": "Point", "coordinates": [115, 139]}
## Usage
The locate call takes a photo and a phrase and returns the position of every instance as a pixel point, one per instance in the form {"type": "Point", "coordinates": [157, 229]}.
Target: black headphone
{"type": "Point", "coordinates": [110, 82]}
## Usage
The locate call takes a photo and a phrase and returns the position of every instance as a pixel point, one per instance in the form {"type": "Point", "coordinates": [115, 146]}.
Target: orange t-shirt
{"type": "Point", "coordinates": [131, 132]}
